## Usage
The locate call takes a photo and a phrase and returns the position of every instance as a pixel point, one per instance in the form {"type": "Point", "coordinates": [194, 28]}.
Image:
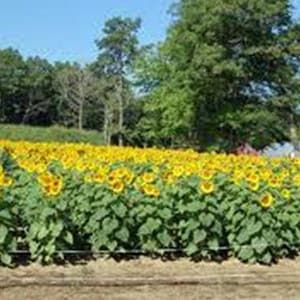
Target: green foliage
{"type": "Point", "coordinates": [119, 45]}
{"type": "Point", "coordinates": [104, 218]}
{"type": "Point", "coordinates": [255, 234]}
{"type": "Point", "coordinates": [46, 224]}
{"type": "Point", "coordinates": [227, 222]}
{"type": "Point", "coordinates": [118, 49]}
{"type": "Point", "coordinates": [226, 74]}
{"type": "Point", "coordinates": [26, 89]}
{"type": "Point", "coordinates": [49, 134]}
{"type": "Point", "coordinates": [8, 241]}
{"type": "Point", "coordinates": [231, 67]}
{"type": "Point", "coordinates": [200, 221]}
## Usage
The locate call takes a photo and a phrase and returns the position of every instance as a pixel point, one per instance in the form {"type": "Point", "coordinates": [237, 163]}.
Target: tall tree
{"type": "Point", "coordinates": [39, 107]}
{"type": "Point", "coordinates": [74, 85]}
{"type": "Point", "coordinates": [167, 111]}
{"type": "Point", "coordinates": [12, 85]}
{"type": "Point", "coordinates": [118, 49]}
{"type": "Point", "coordinates": [234, 64]}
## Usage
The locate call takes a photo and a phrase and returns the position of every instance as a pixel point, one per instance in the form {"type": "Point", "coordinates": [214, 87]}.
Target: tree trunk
{"type": "Point", "coordinates": [80, 116]}
{"type": "Point", "coordinates": [107, 125]}
{"type": "Point", "coordinates": [81, 101]}
{"type": "Point", "coordinates": [2, 116]}
{"type": "Point", "coordinates": [27, 110]}
{"type": "Point", "coordinates": [294, 134]}
{"type": "Point", "coordinates": [121, 111]}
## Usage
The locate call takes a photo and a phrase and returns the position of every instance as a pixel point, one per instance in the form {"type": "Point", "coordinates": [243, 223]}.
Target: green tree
{"type": "Point", "coordinates": [12, 85]}
{"type": "Point", "coordinates": [167, 111]}
{"type": "Point", "coordinates": [118, 49]}
{"type": "Point", "coordinates": [39, 104]}
{"type": "Point", "coordinates": [74, 85]}
{"type": "Point", "coordinates": [26, 89]}
{"type": "Point", "coordinates": [232, 67]}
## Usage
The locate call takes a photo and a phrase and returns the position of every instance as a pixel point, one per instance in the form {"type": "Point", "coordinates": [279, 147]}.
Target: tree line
{"type": "Point", "coordinates": [227, 73]}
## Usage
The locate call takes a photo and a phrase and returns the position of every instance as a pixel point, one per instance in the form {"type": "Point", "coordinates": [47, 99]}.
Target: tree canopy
{"type": "Point", "coordinates": [232, 68]}
{"type": "Point", "coordinates": [227, 73]}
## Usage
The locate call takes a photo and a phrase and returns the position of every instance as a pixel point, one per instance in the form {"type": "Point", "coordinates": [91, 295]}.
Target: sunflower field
{"type": "Point", "coordinates": [57, 197]}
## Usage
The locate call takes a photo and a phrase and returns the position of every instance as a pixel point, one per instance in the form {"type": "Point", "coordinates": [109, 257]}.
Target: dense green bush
{"type": "Point", "coordinates": [49, 134]}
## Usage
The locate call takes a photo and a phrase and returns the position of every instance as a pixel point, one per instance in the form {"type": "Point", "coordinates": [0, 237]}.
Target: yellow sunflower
{"type": "Point", "coordinates": [207, 174]}
{"type": "Point", "coordinates": [207, 187]}
{"type": "Point", "coordinates": [117, 186]}
{"type": "Point", "coordinates": [55, 187]}
{"type": "Point", "coordinates": [5, 181]}
{"type": "Point", "coordinates": [151, 190]}
{"type": "Point", "coordinates": [286, 194]}
{"type": "Point", "coordinates": [266, 200]}
{"type": "Point", "coordinates": [148, 177]}
{"type": "Point", "coordinates": [297, 179]}
{"type": "Point", "coordinates": [274, 182]}
{"type": "Point", "coordinates": [99, 177]}
{"type": "Point", "coordinates": [253, 185]}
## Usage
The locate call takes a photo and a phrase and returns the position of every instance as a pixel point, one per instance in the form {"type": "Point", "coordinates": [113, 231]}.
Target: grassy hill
{"type": "Point", "coordinates": [49, 134]}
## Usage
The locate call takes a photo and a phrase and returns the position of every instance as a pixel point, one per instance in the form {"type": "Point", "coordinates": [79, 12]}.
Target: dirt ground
{"type": "Point", "coordinates": [228, 280]}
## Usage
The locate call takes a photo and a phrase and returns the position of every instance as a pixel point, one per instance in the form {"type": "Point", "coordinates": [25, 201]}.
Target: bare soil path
{"type": "Point", "coordinates": [150, 279]}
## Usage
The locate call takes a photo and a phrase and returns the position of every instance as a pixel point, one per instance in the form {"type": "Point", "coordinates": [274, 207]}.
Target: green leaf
{"type": "Point", "coordinates": [119, 209]}
{"type": "Point", "coordinates": [3, 233]}
{"type": "Point", "coordinates": [34, 229]}
{"type": "Point", "coordinates": [99, 240]}
{"type": "Point", "coordinates": [207, 219]}
{"type": "Point", "coordinates": [246, 253]}
{"type": "Point", "coordinates": [148, 210]}
{"type": "Point", "coordinates": [123, 234]}
{"type": "Point", "coordinates": [217, 228]}
{"type": "Point", "coordinates": [243, 236]}
{"type": "Point", "coordinates": [199, 236]}
{"type": "Point", "coordinates": [267, 258]}
{"type": "Point", "coordinates": [182, 192]}
{"type": "Point", "coordinates": [57, 228]}
{"type": "Point", "coordinates": [294, 220]}
{"type": "Point", "coordinates": [153, 224]}
{"type": "Point", "coordinates": [150, 226]}
{"type": "Point", "coordinates": [6, 259]}
{"type": "Point", "coordinates": [267, 219]}
{"type": "Point", "coordinates": [100, 214]}
{"type": "Point", "coordinates": [191, 249]}
{"type": "Point", "coordinates": [5, 215]}
{"type": "Point", "coordinates": [33, 246]}
{"type": "Point", "coordinates": [150, 245]}
{"type": "Point", "coordinates": [193, 207]}
{"type": "Point", "coordinates": [231, 238]}
{"type": "Point", "coordinates": [109, 225]}
{"type": "Point", "coordinates": [192, 224]}
{"type": "Point", "coordinates": [107, 200]}
{"type": "Point", "coordinates": [255, 228]}
{"type": "Point", "coordinates": [50, 248]}
{"type": "Point", "coordinates": [69, 237]}
{"type": "Point", "coordinates": [165, 213]}
{"type": "Point", "coordinates": [259, 244]}
{"type": "Point", "coordinates": [112, 245]}
{"type": "Point", "coordinates": [237, 217]}
{"type": "Point", "coordinates": [288, 236]}
{"type": "Point", "coordinates": [269, 235]}
{"type": "Point", "coordinates": [164, 238]}
{"type": "Point", "coordinates": [42, 232]}
{"type": "Point", "coordinates": [48, 211]}
{"type": "Point", "coordinates": [213, 244]}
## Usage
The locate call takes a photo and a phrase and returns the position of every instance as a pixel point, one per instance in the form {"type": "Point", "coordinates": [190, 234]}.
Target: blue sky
{"type": "Point", "coordinates": [66, 29]}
